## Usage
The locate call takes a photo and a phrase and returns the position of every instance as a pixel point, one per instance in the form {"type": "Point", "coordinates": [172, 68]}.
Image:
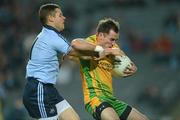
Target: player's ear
{"type": "Point", "coordinates": [100, 35]}
{"type": "Point", "coordinates": [50, 18]}
{"type": "Point", "coordinates": [103, 34]}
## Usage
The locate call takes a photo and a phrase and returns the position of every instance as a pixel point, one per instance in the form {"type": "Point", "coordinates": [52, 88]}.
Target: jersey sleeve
{"type": "Point", "coordinates": [60, 45]}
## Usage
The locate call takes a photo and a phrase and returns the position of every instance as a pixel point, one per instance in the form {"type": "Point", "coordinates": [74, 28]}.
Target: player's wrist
{"type": "Point", "coordinates": [98, 48]}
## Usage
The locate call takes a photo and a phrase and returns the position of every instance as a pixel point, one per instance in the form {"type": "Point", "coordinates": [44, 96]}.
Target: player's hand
{"type": "Point", "coordinates": [113, 51]}
{"type": "Point", "coordinates": [109, 51]}
{"type": "Point", "coordinates": [105, 52]}
{"type": "Point", "coordinates": [130, 70]}
{"type": "Point", "coordinates": [101, 55]}
{"type": "Point", "coordinates": [116, 52]}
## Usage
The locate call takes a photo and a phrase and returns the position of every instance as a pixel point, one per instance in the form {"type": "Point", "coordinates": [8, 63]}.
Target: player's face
{"type": "Point", "coordinates": [59, 20]}
{"type": "Point", "coordinates": [108, 40]}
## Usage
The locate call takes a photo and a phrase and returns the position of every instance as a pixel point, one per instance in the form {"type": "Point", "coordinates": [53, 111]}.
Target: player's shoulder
{"type": "Point", "coordinates": [46, 33]}
{"type": "Point", "coordinates": [47, 38]}
{"type": "Point", "coordinates": [91, 39]}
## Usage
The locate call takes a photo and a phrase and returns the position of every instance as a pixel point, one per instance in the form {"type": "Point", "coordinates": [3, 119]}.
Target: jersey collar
{"type": "Point", "coordinates": [52, 28]}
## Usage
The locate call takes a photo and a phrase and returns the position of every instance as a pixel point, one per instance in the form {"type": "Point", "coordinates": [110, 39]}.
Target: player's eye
{"type": "Point", "coordinates": [112, 39]}
{"type": "Point", "coordinates": [60, 15]}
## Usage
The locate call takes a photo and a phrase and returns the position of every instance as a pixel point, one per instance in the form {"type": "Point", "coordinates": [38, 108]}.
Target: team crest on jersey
{"type": "Point", "coordinates": [105, 65]}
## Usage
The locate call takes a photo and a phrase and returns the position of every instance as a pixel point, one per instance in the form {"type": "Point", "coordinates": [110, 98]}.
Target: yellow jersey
{"type": "Point", "coordinates": [96, 75]}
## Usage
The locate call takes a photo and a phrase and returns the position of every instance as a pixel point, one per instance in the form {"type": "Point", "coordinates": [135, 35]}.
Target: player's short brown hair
{"type": "Point", "coordinates": [46, 10]}
{"type": "Point", "coordinates": [107, 24]}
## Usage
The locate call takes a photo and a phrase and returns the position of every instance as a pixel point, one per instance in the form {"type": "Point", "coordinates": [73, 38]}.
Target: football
{"type": "Point", "coordinates": [120, 64]}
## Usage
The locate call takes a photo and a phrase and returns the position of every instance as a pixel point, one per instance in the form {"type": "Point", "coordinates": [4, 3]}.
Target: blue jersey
{"type": "Point", "coordinates": [43, 63]}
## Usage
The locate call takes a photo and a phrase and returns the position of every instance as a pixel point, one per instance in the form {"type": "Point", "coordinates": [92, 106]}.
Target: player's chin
{"type": "Point", "coordinates": [61, 28]}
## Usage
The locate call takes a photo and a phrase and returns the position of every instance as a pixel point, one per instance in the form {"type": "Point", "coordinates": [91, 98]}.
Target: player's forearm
{"type": "Point", "coordinates": [78, 44]}
{"type": "Point", "coordinates": [84, 48]}
{"type": "Point", "coordinates": [81, 53]}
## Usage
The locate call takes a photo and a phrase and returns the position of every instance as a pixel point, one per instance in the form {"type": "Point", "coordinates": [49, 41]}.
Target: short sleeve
{"type": "Point", "coordinates": [60, 44]}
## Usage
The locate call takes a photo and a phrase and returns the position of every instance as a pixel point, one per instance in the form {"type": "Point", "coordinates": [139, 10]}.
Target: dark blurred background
{"type": "Point", "coordinates": [150, 36]}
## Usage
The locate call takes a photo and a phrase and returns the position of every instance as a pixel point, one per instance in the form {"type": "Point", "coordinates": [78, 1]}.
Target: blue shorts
{"type": "Point", "coordinates": [43, 100]}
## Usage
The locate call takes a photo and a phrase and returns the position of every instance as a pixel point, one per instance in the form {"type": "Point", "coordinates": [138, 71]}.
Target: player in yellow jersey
{"type": "Point", "coordinates": [97, 77]}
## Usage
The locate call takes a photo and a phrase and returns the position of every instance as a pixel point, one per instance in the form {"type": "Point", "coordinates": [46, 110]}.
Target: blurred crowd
{"type": "Point", "coordinates": [19, 25]}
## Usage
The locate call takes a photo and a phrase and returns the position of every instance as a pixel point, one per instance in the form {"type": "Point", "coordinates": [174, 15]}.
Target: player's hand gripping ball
{"type": "Point", "coordinates": [120, 64]}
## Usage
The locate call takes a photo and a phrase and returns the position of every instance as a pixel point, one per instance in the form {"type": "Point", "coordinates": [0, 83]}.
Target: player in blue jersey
{"type": "Point", "coordinates": [40, 98]}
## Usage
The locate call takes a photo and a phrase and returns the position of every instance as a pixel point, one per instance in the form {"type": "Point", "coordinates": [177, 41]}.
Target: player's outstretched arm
{"type": "Point", "coordinates": [81, 48]}
{"type": "Point", "coordinates": [81, 45]}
